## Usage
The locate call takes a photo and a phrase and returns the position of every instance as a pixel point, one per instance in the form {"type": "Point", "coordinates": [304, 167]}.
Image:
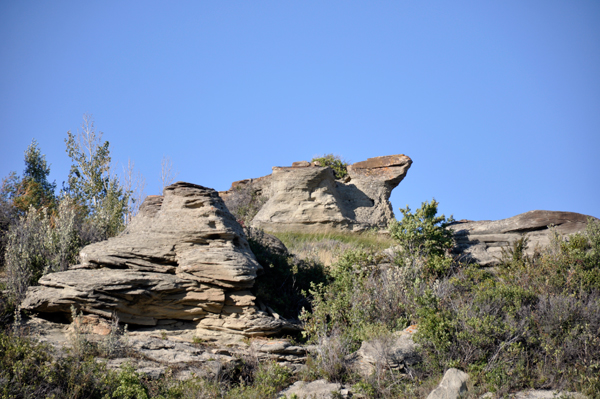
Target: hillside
{"type": "Point", "coordinates": [304, 280]}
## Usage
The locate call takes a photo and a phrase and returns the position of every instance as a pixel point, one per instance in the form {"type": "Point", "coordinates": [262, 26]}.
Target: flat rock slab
{"type": "Point", "coordinates": [482, 241]}
{"type": "Point", "coordinates": [319, 389]}
{"type": "Point", "coordinates": [544, 394]}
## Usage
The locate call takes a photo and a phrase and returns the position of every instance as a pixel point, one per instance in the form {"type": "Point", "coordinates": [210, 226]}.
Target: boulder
{"type": "Point", "coordinates": [307, 197]}
{"type": "Point", "coordinates": [397, 352]}
{"type": "Point", "coordinates": [482, 241]}
{"type": "Point", "coordinates": [452, 386]}
{"type": "Point", "coordinates": [183, 257]}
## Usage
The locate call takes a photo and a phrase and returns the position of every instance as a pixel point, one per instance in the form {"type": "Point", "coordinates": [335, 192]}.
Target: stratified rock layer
{"type": "Point", "coordinates": [482, 241]}
{"type": "Point", "coordinates": [307, 197]}
{"type": "Point", "coordinates": [183, 257]}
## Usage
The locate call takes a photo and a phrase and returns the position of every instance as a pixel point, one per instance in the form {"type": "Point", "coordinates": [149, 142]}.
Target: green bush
{"type": "Point", "coordinates": [335, 162]}
{"type": "Point", "coordinates": [28, 369]}
{"type": "Point", "coordinates": [422, 232]}
{"type": "Point", "coordinates": [535, 323]}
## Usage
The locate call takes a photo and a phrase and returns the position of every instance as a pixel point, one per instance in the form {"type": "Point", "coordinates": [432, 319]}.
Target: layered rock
{"type": "Point", "coordinates": [482, 241]}
{"type": "Point", "coordinates": [183, 257]}
{"type": "Point", "coordinates": [308, 197]}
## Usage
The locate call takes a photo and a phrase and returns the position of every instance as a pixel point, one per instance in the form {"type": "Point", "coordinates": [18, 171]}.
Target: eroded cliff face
{"type": "Point", "coordinates": [183, 257]}
{"type": "Point", "coordinates": [306, 197]}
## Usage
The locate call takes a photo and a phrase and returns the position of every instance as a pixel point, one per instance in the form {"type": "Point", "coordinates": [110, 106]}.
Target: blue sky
{"type": "Point", "coordinates": [496, 102]}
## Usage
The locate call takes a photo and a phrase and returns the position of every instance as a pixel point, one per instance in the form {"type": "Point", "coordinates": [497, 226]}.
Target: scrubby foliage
{"type": "Point", "coordinates": [41, 232]}
{"type": "Point", "coordinates": [32, 370]}
{"type": "Point", "coordinates": [531, 322]}
{"type": "Point", "coordinates": [536, 322]}
{"type": "Point", "coordinates": [244, 202]}
{"type": "Point", "coordinates": [335, 162]}
{"type": "Point", "coordinates": [38, 244]}
{"type": "Point", "coordinates": [285, 280]}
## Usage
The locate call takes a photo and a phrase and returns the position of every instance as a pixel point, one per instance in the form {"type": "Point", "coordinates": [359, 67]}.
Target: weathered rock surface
{"type": "Point", "coordinates": [307, 197]}
{"type": "Point", "coordinates": [544, 394]}
{"type": "Point", "coordinates": [173, 348]}
{"type": "Point", "coordinates": [538, 394]}
{"type": "Point", "coordinates": [319, 389]}
{"type": "Point", "coordinates": [452, 386]}
{"type": "Point", "coordinates": [482, 241]}
{"type": "Point", "coordinates": [183, 257]}
{"type": "Point", "coordinates": [398, 353]}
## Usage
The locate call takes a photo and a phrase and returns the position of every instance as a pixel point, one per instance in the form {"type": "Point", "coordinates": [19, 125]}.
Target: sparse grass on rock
{"type": "Point", "coordinates": [327, 247]}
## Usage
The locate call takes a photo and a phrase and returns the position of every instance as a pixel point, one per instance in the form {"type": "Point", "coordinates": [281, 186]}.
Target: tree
{"type": "Point", "coordinates": [167, 174]}
{"type": "Point", "coordinates": [134, 183]}
{"type": "Point", "coordinates": [91, 184]}
{"type": "Point", "coordinates": [33, 189]}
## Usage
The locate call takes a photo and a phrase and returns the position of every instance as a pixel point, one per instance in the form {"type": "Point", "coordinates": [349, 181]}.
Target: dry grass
{"type": "Point", "coordinates": [327, 247]}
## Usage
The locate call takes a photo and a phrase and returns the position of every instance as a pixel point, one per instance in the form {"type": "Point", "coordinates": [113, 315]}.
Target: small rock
{"type": "Point", "coordinates": [319, 389]}
{"type": "Point", "coordinates": [544, 394]}
{"type": "Point", "coordinates": [452, 386]}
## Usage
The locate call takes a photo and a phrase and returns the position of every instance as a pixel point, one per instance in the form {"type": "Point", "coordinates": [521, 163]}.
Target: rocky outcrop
{"type": "Point", "coordinates": [482, 241]}
{"type": "Point", "coordinates": [183, 257]}
{"type": "Point", "coordinates": [308, 197]}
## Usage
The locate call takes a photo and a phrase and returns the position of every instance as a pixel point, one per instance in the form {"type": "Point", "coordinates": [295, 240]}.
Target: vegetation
{"type": "Point", "coordinates": [285, 278]}
{"type": "Point", "coordinates": [327, 247]}
{"type": "Point", "coordinates": [335, 162]}
{"type": "Point", "coordinates": [42, 232]}
{"type": "Point", "coordinates": [533, 323]}
{"type": "Point", "coordinates": [101, 199]}
{"type": "Point", "coordinates": [244, 202]}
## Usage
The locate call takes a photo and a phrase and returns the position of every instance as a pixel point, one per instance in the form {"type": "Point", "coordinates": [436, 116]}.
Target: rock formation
{"type": "Point", "coordinates": [307, 197]}
{"type": "Point", "coordinates": [183, 257]}
{"type": "Point", "coordinates": [482, 241]}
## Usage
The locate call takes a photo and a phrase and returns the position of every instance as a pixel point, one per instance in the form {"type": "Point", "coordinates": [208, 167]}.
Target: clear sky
{"type": "Point", "coordinates": [496, 102]}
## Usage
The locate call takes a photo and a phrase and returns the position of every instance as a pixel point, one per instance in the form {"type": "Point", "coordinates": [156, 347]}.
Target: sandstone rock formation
{"type": "Point", "coordinates": [183, 257]}
{"type": "Point", "coordinates": [307, 197]}
{"type": "Point", "coordinates": [482, 241]}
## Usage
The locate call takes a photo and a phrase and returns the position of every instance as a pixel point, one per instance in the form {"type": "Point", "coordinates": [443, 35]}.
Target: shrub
{"type": "Point", "coordinates": [285, 280]}
{"type": "Point", "coordinates": [29, 370]}
{"type": "Point", "coordinates": [534, 324]}
{"type": "Point", "coordinates": [40, 243]}
{"type": "Point", "coordinates": [422, 232]}
{"type": "Point", "coordinates": [363, 300]}
{"type": "Point", "coordinates": [329, 360]}
{"type": "Point", "coordinates": [335, 162]}
{"type": "Point", "coordinates": [244, 202]}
